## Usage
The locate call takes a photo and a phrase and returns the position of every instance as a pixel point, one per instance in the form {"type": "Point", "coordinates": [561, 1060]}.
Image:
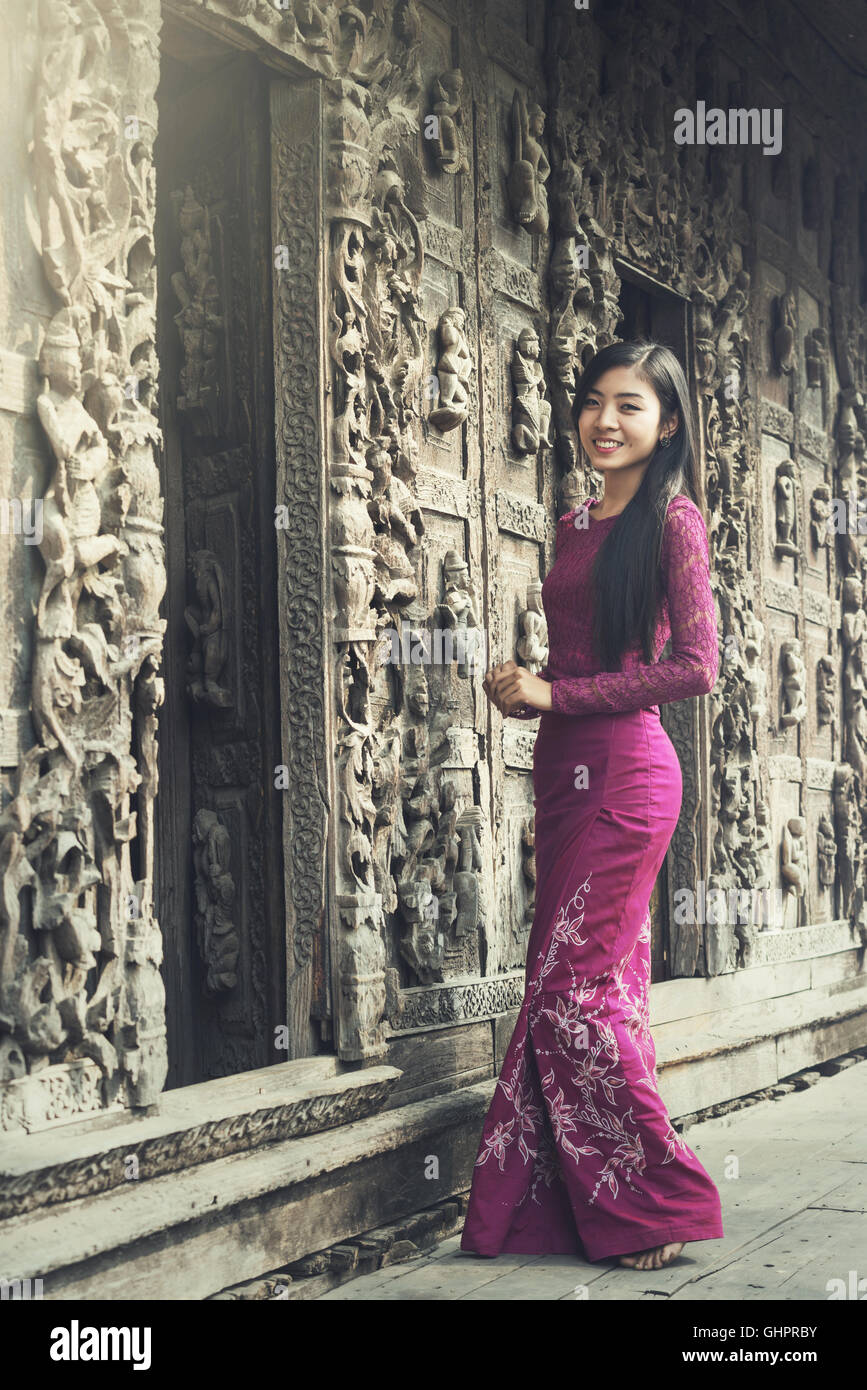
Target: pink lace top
{"type": "Point", "coordinates": [686, 614]}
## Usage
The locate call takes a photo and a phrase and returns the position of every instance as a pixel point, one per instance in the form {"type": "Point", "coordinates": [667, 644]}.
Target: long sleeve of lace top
{"type": "Point", "coordinates": [692, 667]}
{"type": "Point", "coordinates": [686, 614]}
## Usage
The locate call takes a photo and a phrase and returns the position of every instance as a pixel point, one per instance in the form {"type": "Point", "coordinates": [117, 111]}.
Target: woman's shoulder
{"type": "Point", "coordinates": [681, 505]}
{"type": "Point", "coordinates": [683, 515]}
{"type": "Point", "coordinates": [685, 531]}
{"type": "Point", "coordinates": [570, 516]}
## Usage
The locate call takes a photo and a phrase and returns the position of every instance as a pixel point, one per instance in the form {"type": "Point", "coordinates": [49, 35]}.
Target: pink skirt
{"type": "Point", "coordinates": [578, 1154]}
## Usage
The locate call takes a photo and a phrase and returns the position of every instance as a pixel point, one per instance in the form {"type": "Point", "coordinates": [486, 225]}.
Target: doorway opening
{"type": "Point", "coordinates": [219, 878]}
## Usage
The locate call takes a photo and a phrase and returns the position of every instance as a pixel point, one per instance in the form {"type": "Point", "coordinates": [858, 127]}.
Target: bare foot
{"type": "Point", "coordinates": [652, 1259]}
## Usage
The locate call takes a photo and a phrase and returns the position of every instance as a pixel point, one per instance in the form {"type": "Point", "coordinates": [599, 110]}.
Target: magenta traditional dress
{"type": "Point", "coordinates": [578, 1154]}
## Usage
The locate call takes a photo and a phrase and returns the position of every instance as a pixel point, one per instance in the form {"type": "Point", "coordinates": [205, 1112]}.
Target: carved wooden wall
{"type": "Point", "coordinates": [466, 201]}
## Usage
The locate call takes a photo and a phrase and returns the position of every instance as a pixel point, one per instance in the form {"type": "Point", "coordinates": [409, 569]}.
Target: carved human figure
{"type": "Point", "coordinates": [398, 524]}
{"type": "Point", "coordinates": [847, 830]}
{"type": "Point", "coordinates": [762, 847]}
{"type": "Point", "coordinates": [732, 338]}
{"type": "Point", "coordinates": [531, 410]}
{"type": "Point", "coordinates": [219, 942]}
{"type": "Point", "coordinates": [826, 690]}
{"type": "Point", "coordinates": [422, 944]}
{"type": "Point", "coordinates": [447, 854]}
{"type": "Point", "coordinates": [532, 645]}
{"type": "Point", "coordinates": [530, 169]}
{"type": "Point", "coordinates": [467, 876]}
{"type": "Point", "coordinates": [786, 332]}
{"type": "Point", "coordinates": [853, 633]}
{"type": "Point", "coordinates": [827, 850]}
{"type": "Point", "coordinates": [398, 247]}
{"type": "Point", "coordinates": [849, 486]}
{"type": "Point", "coordinates": [208, 621]}
{"type": "Point", "coordinates": [820, 512]}
{"type": "Point", "coordinates": [448, 141]}
{"type": "Point", "coordinates": [457, 612]}
{"type": "Point", "coordinates": [199, 320]}
{"type": "Point", "coordinates": [855, 709]}
{"type": "Point", "coordinates": [816, 356]}
{"type": "Point", "coordinates": [794, 866]}
{"type": "Point", "coordinates": [787, 513]}
{"type": "Point", "coordinates": [754, 672]}
{"type": "Point", "coordinates": [414, 832]}
{"type": "Point", "coordinates": [71, 543]}
{"type": "Point", "coordinates": [149, 694]}
{"type": "Point", "coordinates": [454, 367]}
{"type": "Point", "coordinates": [794, 683]}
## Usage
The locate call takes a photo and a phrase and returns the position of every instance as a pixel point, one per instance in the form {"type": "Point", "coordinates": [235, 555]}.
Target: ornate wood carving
{"type": "Point", "coordinates": [297, 222]}
{"type": "Point", "coordinates": [81, 946]}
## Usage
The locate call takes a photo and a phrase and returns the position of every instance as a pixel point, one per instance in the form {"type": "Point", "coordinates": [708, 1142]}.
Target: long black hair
{"type": "Point", "coordinates": [626, 569]}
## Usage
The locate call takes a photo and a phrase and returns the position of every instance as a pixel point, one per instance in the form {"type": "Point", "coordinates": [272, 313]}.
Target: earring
{"type": "Point", "coordinates": [664, 441]}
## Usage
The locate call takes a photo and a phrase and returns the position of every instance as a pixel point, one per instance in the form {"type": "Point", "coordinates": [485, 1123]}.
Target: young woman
{"type": "Point", "coordinates": [578, 1154]}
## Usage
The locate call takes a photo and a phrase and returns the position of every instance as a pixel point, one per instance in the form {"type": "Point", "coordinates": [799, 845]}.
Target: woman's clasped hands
{"type": "Point", "coordinates": [509, 686]}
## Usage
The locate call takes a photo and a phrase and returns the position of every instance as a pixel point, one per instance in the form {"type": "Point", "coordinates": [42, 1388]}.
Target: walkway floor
{"type": "Point", "coordinates": [792, 1174]}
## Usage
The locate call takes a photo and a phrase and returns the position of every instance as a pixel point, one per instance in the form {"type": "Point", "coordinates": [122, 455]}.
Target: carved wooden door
{"type": "Point", "coordinates": [219, 887]}
{"type": "Point", "coordinates": [484, 485]}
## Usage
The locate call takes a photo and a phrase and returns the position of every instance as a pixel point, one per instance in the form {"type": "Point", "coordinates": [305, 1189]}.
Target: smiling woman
{"type": "Point", "coordinates": [578, 1153]}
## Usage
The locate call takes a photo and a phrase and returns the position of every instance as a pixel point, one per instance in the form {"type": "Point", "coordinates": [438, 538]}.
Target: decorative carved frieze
{"type": "Point", "coordinates": [776, 420]}
{"type": "Point", "coordinates": [814, 442]}
{"type": "Point", "coordinates": [411, 1009]}
{"type": "Point", "coordinates": [518, 748]}
{"type": "Point", "coordinates": [784, 767]}
{"type": "Point", "coordinates": [785, 597]}
{"type": "Point", "coordinates": [513, 280]}
{"type": "Point", "coordinates": [442, 242]}
{"type": "Point", "coordinates": [820, 774]}
{"type": "Point", "coordinates": [173, 1141]}
{"type": "Point", "coordinates": [442, 492]}
{"type": "Point", "coordinates": [522, 516]}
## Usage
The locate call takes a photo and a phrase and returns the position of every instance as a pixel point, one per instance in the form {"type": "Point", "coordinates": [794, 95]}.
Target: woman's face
{"type": "Point", "coordinates": [620, 421]}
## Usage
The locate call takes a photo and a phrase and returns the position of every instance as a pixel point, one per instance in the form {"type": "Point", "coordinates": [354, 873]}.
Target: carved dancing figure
{"type": "Point", "coordinates": [219, 941]}
{"type": "Point", "coordinates": [454, 368]}
{"type": "Point", "coordinates": [208, 622]}
{"type": "Point", "coordinates": [531, 410]}
{"type": "Point", "coordinates": [71, 543]}
{"type": "Point", "coordinates": [794, 683]}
